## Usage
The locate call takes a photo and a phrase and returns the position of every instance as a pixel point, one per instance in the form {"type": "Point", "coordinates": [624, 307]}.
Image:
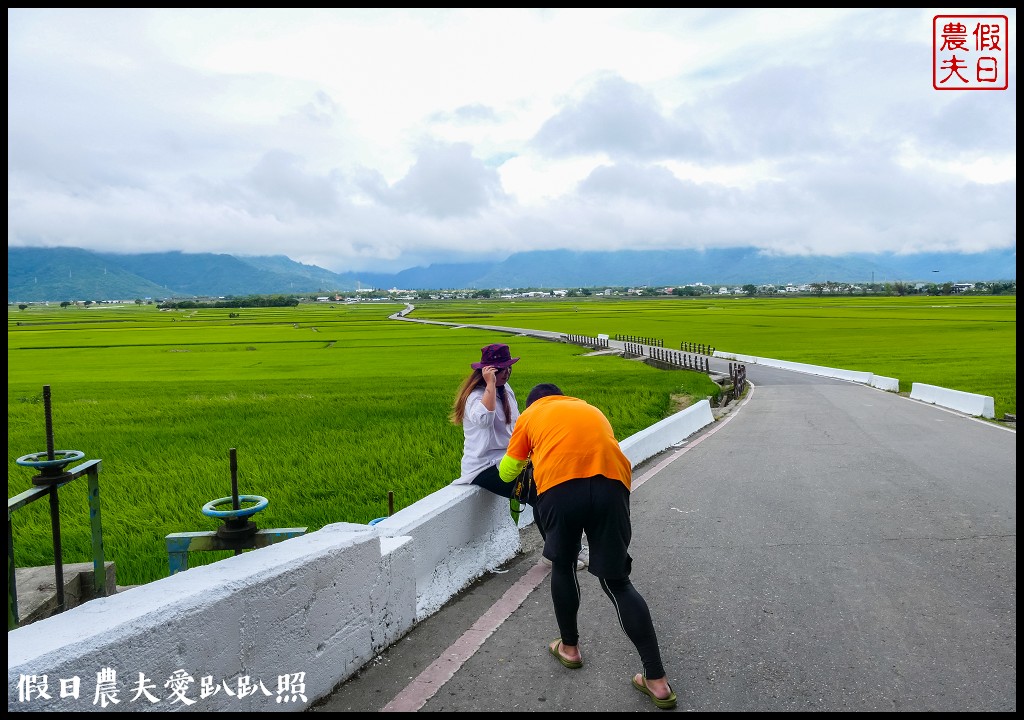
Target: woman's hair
{"type": "Point", "coordinates": [475, 380]}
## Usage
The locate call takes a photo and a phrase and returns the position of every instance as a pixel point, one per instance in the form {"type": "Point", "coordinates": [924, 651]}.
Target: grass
{"type": "Point", "coordinates": [331, 407]}
{"type": "Point", "coordinates": [328, 409]}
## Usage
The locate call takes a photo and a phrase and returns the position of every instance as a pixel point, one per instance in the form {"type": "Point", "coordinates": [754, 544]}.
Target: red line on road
{"type": "Point", "coordinates": [428, 682]}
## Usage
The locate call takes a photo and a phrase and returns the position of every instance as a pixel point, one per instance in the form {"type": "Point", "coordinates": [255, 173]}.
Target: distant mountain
{"type": "Point", "coordinates": [57, 274]}
{"type": "Point", "coordinates": [206, 274]}
{"type": "Point", "coordinates": [286, 268]}
{"type": "Point", "coordinates": [35, 274]}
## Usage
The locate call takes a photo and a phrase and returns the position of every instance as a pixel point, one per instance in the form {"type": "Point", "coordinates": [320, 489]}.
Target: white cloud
{"type": "Point", "coordinates": [379, 139]}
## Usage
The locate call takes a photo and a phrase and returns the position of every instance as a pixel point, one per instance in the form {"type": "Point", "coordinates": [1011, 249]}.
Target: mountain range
{"type": "Point", "coordinates": [65, 273]}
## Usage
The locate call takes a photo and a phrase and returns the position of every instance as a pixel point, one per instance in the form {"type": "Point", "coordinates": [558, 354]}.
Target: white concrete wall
{"type": "Point", "coordinates": [323, 604]}
{"type": "Point", "coordinates": [976, 405]}
{"type": "Point", "coordinates": [878, 381]}
{"type": "Point", "coordinates": [851, 375]}
{"type": "Point", "coordinates": [650, 441]}
{"type": "Point", "coordinates": [970, 403]}
{"type": "Point", "coordinates": [885, 383]}
{"type": "Point", "coordinates": [460, 533]}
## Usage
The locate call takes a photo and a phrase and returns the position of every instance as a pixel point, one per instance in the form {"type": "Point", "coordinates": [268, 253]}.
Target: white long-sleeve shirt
{"type": "Point", "coordinates": [486, 434]}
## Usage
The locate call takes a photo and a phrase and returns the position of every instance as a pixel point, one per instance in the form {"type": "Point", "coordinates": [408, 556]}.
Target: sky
{"type": "Point", "coordinates": [383, 139]}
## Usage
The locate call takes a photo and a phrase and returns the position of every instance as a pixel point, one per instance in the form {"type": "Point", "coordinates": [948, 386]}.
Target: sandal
{"type": "Point", "coordinates": [663, 703]}
{"type": "Point", "coordinates": [555, 647]}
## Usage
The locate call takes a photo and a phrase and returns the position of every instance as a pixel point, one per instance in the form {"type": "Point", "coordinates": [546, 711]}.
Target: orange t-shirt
{"type": "Point", "coordinates": [567, 438]}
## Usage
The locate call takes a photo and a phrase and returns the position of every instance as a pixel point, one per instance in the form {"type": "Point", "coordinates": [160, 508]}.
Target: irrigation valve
{"type": "Point", "coordinates": [237, 529]}
{"type": "Point", "coordinates": [51, 463]}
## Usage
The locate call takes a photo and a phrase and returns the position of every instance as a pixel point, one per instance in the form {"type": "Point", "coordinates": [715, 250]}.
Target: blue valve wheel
{"type": "Point", "coordinates": [210, 507]}
{"type": "Point", "coordinates": [42, 459]}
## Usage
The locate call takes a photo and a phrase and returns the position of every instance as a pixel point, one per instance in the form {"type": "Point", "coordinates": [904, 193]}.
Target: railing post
{"type": "Point", "coordinates": [99, 571]}
{"type": "Point", "coordinates": [12, 592]}
{"type": "Point", "coordinates": [58, 557]}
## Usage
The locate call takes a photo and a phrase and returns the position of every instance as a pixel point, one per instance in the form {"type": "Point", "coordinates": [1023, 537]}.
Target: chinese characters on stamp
{"type": "Point", "coordinates": [970, 52]}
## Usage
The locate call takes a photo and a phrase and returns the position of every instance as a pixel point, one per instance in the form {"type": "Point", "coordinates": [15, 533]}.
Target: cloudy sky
{"type": "Point", "coordinates": [384, 139]}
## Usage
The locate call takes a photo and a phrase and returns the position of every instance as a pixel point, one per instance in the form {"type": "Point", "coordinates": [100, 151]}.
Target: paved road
{"type": "Point", "coordinates": [824, 547]}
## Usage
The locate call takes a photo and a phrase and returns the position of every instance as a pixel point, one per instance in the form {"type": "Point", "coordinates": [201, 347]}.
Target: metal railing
{"type": "Point", "coordinates": [669, 357]}
{"type": "Point", "coordinates": [738, 374]}
{"type": "Point", "coordinates": [91, 470]}
{"type": "Point", "coordinates": [53, 475]}
{"type": "Point", "coordinates": [652, 341]}
{"type": "Point", "coordinates": [693, 347]}
{"type": "Point", "coordinates": [593, 342]}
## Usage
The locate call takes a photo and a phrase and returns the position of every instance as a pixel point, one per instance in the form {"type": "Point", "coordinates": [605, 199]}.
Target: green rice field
{"type": "Point", "coordinates": [331, 406]}
{"type": "Point", "coordinates": [329, 409]}
{"type": "Point", "coordinates": [960, 342]}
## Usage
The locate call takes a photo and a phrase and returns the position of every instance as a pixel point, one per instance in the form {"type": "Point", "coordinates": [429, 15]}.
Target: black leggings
{"type": "Point", "coordinates": [490, 480]}
{"type": "Point", "coordinates": [631, 608]}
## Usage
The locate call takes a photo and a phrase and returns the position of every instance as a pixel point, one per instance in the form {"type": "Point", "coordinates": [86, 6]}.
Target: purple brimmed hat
{"type": "Point", "coordinates": [496, 355]}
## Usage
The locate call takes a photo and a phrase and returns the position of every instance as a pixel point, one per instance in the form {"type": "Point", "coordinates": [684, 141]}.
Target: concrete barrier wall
{"type": "Point", "coordinates": [663, 434]}
{"type": "Point", "coordinates": [322, 604]}
{"type": "Point", "coordinates": [885, 383]}
{"type": "Point", "coordinates": [750, 359]}
{"type": "Point", "coordinates": [976, 405]}
{"type": "Point", "coordinates": [460, 532]}
{"type": "Point", "coordinates": [851, 375]}
{"type": "Point", "coordinates": [302, 615]}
